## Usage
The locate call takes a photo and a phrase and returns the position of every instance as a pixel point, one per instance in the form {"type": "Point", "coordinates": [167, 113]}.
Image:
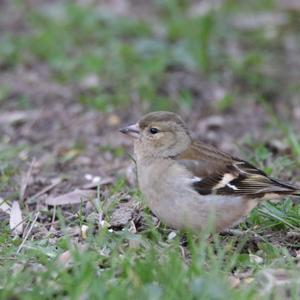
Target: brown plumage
{"type": "Point", "coordinates": [185, 182]}
{"type": "Point", "coordinates": [207, 162]}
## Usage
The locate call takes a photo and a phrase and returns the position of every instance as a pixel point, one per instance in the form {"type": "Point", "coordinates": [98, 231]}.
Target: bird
{"type": "Point", "coordinates": [191, 185]}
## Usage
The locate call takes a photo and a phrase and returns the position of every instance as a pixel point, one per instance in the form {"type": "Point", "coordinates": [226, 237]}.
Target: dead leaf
{"type": "Point", "coordinates": [15, 221]}
{"type": "Point", "coordinates": [77, 196]}
{"type": "Point", "coordinates": [25, 180]}
{"type": "Point", "coordinates": [4, 206]}
{"type": "Point", "coordinates": [14, 117]}
{"type": "Point", "coordinates": [55, 182]}
{"type": "Point", "coordinates": [94, 184]}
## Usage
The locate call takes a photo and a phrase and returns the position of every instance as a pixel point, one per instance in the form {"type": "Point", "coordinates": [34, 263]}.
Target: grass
{"type": "Point", "coordinates": [121, 272]}
{"type": "Point", "coordinates": [147, 264]}
{"type": "Point", "coordinates": [127, 50]}
{"type": "Point", "coordinates": [135, 278]}
{"type": "Point", "coordinates": [132, 60]}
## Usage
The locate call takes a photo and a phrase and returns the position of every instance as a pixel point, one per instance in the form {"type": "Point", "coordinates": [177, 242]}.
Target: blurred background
{"type": "Point", "coordinates": [73, 72]}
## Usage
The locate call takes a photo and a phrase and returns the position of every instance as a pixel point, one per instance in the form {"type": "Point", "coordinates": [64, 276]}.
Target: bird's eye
{"type": "Point", "coordinates": [153, 130]}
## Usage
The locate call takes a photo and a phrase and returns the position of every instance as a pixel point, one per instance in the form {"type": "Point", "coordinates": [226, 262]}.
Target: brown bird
{"type": "Point", "coordinates": [191, 185]}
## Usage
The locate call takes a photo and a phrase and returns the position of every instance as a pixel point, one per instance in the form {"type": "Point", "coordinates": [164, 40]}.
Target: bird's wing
{"type": "Point", "coordinates": [219, 173]}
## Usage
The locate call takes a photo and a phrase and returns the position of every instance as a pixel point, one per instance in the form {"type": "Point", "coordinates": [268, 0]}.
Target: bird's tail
{"type": "Point", "coordinates": [283, 188]}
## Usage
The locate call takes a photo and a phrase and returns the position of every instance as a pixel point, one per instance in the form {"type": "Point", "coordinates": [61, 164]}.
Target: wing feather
{"type": "Point", "coordinates": [223, 174]}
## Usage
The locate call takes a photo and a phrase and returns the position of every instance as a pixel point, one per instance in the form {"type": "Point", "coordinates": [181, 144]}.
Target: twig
{"type": "Point", "coordinates": [234, 232]}
{"type": "Point", "coordinates": [28, 233]}
{"type": "Point", "coordinates": [56, 222]}
{"type": "Point", "coordinates": [53, 218]}
{"type": "Point", "coordinates": [25, 181]}
{"type": "Point", "coordinates": [23, 221]}
{"type": "Point", "coordinates": [54, 214]}
{"type": "Point", "coordinates": [44, 191]}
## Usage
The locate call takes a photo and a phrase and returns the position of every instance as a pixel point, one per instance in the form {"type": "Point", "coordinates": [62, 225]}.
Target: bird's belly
{"type": "Point", "coordinates": [184, 209]}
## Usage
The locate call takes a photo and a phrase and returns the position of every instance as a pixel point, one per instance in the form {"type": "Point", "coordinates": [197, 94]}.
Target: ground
{"type": "Point", "coordinates": [73, 222]}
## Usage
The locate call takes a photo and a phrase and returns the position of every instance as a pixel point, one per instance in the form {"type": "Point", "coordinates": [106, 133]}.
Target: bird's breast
{"type": "Point", "coordinates": [164, 179]}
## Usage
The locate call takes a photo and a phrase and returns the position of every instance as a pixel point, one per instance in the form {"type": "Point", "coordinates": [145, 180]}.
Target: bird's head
{"type": "Point", "coordinates": [159, 134]}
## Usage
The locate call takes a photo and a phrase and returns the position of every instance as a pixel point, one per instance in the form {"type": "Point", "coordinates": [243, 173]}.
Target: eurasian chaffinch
{"type": "Point", "coordinates": [191, 185]}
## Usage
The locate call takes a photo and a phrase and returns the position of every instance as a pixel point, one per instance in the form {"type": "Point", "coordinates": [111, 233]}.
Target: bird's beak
{"type": "Point", "coordinates": [132, 130]}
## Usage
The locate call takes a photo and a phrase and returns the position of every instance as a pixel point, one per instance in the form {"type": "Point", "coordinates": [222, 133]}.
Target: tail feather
{"type": "Point", "coordinates": [286, 188]}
